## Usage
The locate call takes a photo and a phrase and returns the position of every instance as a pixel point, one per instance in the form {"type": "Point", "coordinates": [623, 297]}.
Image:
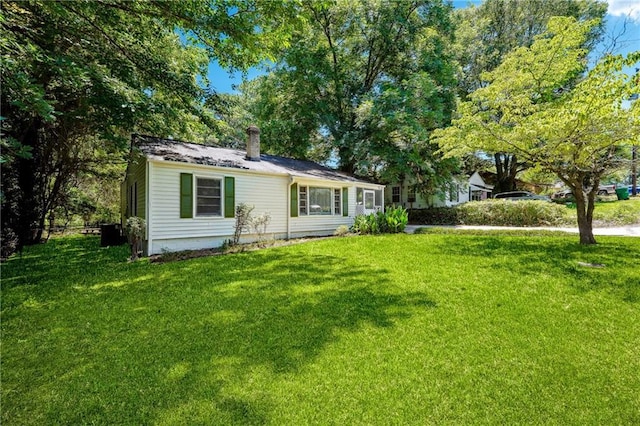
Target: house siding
{"type": "Point", "coordinates": [135, 180]}
{"type": "Point", "coordinates": [267, 193]}
{"type": "Point", "coordinates": [167, 231]}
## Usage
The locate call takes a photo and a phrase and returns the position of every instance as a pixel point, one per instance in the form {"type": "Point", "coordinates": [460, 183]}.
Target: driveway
{"type": "Point", "coordinates": [625, 231]}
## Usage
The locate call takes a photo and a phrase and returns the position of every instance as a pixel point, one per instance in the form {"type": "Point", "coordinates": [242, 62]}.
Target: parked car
{"type": "Point", "coordinates": [631, 189]}
{"type": "Point", "coordinates": [602, 190]}
{"type": "Point", "coordinates": [565, 193]}
{"type": "Point", "coordinates": [521, 195]}
{"type": "Point", "coordinates": [607, 190]}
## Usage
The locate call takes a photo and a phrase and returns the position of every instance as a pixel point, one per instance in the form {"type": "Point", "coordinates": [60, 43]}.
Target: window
{"type": "Point", "coordinates": [476, 195]}
{"type": "Point", "coordinates": [133, 199]}
{"type": "Point", "coordinates": [320, 201]}
{"type": "Point", "coordinates": [395, 194]}
{"type": "Point", "coordinates": [411, 196]}
{"type": "Point", "coordinates": [315, 201]}
{"type": "Point", "coordinates": [303, 200]}
{"type": "Point", "coordinates": [208, 198]}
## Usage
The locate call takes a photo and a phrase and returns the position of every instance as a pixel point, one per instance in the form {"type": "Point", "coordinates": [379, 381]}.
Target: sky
{"type": "Point", "coordinates": [621, 14]}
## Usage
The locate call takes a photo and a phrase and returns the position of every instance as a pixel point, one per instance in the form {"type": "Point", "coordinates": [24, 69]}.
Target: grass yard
{"type": "Point", "coordinates": [408, 329]}
{"type": "Point", "coordinates": [611, 212]}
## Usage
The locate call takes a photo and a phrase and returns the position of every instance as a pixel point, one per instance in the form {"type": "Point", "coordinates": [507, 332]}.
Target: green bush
{"type": "Point", "coordinates": [434, 216]}
{"type": "Point", "coordinates": [511, 213]}
{"type": "Point", "coordinates": [392, 221]}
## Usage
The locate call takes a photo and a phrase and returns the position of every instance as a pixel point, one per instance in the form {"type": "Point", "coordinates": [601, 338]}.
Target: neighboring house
{"type": "Point", "coordinates": [188, 193]}
{"type": "Point", "coordinates": [464, 189]}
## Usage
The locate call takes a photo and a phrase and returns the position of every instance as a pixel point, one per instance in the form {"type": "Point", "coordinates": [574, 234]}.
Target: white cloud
{"type": "Point", "coordinates": [629, 8]}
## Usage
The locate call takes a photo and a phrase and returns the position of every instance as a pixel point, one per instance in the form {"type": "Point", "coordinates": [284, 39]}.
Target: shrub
{"type": "Point", "coordinates": [511, 213]}
{"type": "Point", "coordinates": [434, 216]}
{"type": "Point", "coordinates": [135, 229]}
{"type": "Point", "coordinates": [341, 231]}
{"type": "Point", "coordinates": [392, 221]}
{"type": "Point", "coordinates": [243, 222]}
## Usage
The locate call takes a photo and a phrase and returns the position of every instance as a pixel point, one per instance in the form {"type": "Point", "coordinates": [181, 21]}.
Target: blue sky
{"type": "Point", "coordinates": [619, 12]}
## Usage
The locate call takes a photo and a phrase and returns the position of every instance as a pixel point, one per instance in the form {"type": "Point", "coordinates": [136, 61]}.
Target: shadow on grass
{"type": "Point", "coordinates": [92, 338]}
{"type": "Point", "coordinates": [610, 265]}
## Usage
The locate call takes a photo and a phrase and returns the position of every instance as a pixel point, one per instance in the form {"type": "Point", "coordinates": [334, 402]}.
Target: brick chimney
{"type": "Point", "coordinates": [253, 143]}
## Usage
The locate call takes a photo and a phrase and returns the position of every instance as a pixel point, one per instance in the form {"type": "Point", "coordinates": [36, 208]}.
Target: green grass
{"type": "Point", "coordinates": [610, 212]}
{"type": "Point", "coordinates": [402, 329]}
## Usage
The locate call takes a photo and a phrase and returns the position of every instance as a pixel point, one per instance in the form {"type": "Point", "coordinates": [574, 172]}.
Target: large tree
{"type": "Point", "coordinates": [364, 82]}
{"type": "Point", "coordinates": [487, 33]}
{"type": "Point", "coordinates": [542, 105]}
{"type": "Point", "coordinates": [77, 77]}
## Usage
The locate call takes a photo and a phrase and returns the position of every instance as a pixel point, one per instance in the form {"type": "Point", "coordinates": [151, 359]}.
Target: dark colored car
{"type": "Point", "coordinates": [521, 195]}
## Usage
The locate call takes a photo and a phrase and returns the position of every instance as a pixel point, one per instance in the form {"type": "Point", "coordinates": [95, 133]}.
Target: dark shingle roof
{"type": "Point", "coordinates": [185, 152]}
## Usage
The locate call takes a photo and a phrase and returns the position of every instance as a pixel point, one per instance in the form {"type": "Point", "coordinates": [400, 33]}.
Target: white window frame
{"type": "Point", "coordinates": [304, 206]}
{"type": "Point", "coordinates": [220, 213]}
{"type": "Point", "coordinates": [396, 198]}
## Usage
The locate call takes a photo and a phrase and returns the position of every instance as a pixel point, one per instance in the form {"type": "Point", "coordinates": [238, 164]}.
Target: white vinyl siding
{"type": "Point", "coordinates": [266, 193]}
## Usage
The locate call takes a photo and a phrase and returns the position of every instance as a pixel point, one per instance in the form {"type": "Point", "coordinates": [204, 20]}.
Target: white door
{"type": "Point", "coordinates": [369, 201]}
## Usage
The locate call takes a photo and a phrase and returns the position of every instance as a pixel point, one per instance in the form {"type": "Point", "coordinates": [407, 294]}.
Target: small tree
{"type": "Point", "coordinates": [534, 108]}
{"type": "Point", "coordinates": [243, 221]}
{"type": "Point", "coordinates": [135, 229]}
{"type": "Point", "coordinates": [259, 225]}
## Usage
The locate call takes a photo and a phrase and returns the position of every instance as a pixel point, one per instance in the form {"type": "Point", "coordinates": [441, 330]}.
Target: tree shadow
{"type": "Point", "coordinates": [176, 334]}
{"type": "Point", "coordinates": [608, 266]}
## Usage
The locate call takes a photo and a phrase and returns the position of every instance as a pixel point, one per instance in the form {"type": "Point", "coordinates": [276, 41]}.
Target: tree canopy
{"type": "Point", "coordinates": [364, 82]}
{"type": "Point", "coordinates": [541, 105]}
{"type": "Point", "coordinates": [487, 33]}
{"type": "Point", "coordinates": [78, 77]}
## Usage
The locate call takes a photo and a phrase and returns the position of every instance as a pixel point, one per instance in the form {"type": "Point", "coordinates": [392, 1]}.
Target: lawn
{"type": "Point", "coordinates": [610, 212]}
{"type": "Point", "coordinates": [408, 329]}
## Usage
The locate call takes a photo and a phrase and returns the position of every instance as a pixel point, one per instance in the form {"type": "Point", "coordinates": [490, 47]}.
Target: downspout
{"type": "Point", "coordinates": [288, 215]}
{"type": "Point", "coordinates": [147, 201]}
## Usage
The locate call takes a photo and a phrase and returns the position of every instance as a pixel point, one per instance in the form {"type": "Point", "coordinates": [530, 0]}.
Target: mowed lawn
{"type": "Point", "coordinates": [406, 329]}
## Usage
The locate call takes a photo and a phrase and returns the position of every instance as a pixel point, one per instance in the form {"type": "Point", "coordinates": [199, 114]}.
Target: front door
{"type": "Point", "coordinates": [369, 201]}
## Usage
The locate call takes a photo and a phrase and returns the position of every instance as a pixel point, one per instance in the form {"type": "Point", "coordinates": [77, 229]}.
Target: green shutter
{"type": "Point", "coordinates": [229, 196]}
{"type": "Point", "coordinates": [186, 195]}
{"type": "Point", "coordinates": [345, 201]}
{"type": "Point", "coordinates": [294, 200]}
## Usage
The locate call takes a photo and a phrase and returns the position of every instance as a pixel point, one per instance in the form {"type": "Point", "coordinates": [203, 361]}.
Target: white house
{"type": "Point", "coordinates": [471, 188]}
{"type": "Point", "coordinates": [188, 193]}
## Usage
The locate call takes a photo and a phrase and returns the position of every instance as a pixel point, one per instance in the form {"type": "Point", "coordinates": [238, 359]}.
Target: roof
{"type": "Point", "coordinates": [159, 149]}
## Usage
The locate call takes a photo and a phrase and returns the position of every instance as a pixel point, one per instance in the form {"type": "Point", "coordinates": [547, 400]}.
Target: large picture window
{"type": "Point", "coordinates": [320, 201]}
{"type": "Point", "coordinates": [208, 197]}
{"type": "Point", "coordinates": [316, 201]}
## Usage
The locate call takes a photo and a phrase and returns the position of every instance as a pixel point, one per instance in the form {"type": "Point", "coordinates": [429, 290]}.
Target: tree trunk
{"type": "Point", "coordinates": [585, 203]}
{"type": "Point", "coordinates": [506, 170]}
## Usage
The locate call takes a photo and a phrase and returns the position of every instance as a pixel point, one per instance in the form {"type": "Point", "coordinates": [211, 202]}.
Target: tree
{"type": "Point", "coordinates": [79, 76]}
{"type": "Point", "coordinates": [487, 33]}
{"type": "Point", "coordinates": [541, 105]}
{"type": "Point", "coordinates": [364, 82]}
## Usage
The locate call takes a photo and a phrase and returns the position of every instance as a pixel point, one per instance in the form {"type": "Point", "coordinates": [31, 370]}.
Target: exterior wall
{"type": "Point", "coordinates": [305, 225]}
{"type": "Point", "coordinates": [135, 182]}
{"type": "Point", "coordinates": [167, 231]}
{"type": "Point", "coordinates": [267, 193]}
{"type": "Point", "coordinates": [444, 200]}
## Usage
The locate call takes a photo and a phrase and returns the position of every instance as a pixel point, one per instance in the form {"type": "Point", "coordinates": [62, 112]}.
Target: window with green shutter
{"type": "Point", "coordinates": [186, 195]}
